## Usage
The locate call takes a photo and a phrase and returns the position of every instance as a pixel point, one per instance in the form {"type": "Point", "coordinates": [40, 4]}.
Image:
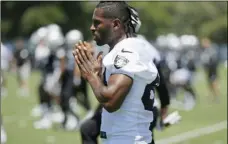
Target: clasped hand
{"type": "Point", "coordinates": [89, 65]}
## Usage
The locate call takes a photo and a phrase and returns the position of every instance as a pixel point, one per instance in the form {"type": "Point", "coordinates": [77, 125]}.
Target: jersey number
{"type": "Point", "coordinates": [148, 97]}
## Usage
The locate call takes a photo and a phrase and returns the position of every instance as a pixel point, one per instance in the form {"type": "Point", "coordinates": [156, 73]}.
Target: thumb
{"type": "Point", "coordinates": [99, 57]}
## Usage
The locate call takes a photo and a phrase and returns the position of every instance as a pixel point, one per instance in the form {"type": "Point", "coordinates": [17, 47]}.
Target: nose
{"type": "Point", "coordinates": [92, 28]}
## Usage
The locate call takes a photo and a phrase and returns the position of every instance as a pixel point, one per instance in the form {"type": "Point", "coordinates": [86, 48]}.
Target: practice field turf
{"type": "Point", "coordinates": [205, 124]}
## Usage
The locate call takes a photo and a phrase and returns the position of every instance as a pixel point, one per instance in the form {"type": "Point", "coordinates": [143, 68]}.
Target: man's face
{"type": "Point", "coordinates": [101, 28]}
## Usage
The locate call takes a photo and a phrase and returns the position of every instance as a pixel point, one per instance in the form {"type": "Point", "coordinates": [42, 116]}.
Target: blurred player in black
{"type": "Point", "coordinates": [46, 67]}
{"type": "Point", "coordinates": [50, 40]}
{"type": "Point", "coordinates": [210, 62]}
{"type": "Point", "coordinates": [79, 84]}
{"type": "Point", "coordinates": [22, 63]}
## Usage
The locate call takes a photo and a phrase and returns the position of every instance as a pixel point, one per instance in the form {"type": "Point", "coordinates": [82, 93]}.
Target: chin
{"type": "Point", "coordinates": [99, 43]}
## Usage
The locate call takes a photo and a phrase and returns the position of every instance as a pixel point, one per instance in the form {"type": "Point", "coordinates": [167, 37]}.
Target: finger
{"type": "Point", "coordinates": [84, 55]}
{"type": "Point", "coordinates": [83, 60]}
{"type": "Point", "coordinates": [88, 46]}
{"type": "Point", "coordinates": [80, 65]}
{"type": "Point", "coordinates": [100, 54]}
{"type": "Point", "coordinates": [90, 56]}
{"type": "Point", "coordinates": [99, 59]}
{"type": "Point", "coordinates": [76, 45]}
{"type": "Point", "coordinates": [74, 52]}
{"type": "Point", "coordinates": [84, 43]}
{"type": "Point", "coordinates": [79, 56]}
{"type": "Point", "coordinates": [77, 60]}
{"type": "Point", "coordinates": [83, 46]}
{"type": "Point", "coordinates": [80, 43]}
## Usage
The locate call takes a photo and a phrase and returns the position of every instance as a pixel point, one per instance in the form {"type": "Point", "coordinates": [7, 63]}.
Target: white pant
{"type": "Point", "coordinates": [180, 76]}
{"type": "Point", "coordinates": [52, 84]}
{"type": "Point", "coordinates": [24, 71]}
{"type": "Point", "coordinates": [123, 140]}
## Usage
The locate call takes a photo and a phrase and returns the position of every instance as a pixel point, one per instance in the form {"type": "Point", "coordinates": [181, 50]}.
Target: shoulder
{"type": "Point", "coordinates": [143, 49]}
{"type": "Point", "coordinates": [131, 43]}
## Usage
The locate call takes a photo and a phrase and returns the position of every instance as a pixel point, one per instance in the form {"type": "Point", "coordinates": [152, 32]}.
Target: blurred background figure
{"type": "Point", "coordinates": [61, 87]}
{"type": "Point", "coordinates": [51, 40]}
{"type": "Point", "coordinates": [22, 65]}
{"type": "Point", "coordinates": [178, 64]}
{"type": "Point", "coordinates": [5, 62]}
{"type": "Point", "coordinates": [6, 58]}
{"type": "Point", "coordinates": [79, 87]}
{"type": "Point", "coordinates": [3, 133]}
{"type": "Point", "coordinates": [210, 62]}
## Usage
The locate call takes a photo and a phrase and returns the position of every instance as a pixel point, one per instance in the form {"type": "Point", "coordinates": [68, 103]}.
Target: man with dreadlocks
{"type": "Point", "coordinates": [129, 78]}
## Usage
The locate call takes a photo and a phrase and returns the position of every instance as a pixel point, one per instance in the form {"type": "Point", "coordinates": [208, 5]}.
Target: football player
{"type": "Point", "coordinates": [126, 92]}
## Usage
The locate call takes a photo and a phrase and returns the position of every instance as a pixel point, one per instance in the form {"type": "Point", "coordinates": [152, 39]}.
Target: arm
{"type": "Point", "coordinates": [61, 55]}
{"type": "Point", "coordinates": [111, 96]}
{"type": "Point", "coordinates": [62, 64]}
{"type": "Point", "coordinates": [163, 94]}
{"type": "Point", "coordinates": [77, 75]}
{"type": "Point", "coordinates": [76, 71]}
{"type": "Point", "coordinates": [14, 61]}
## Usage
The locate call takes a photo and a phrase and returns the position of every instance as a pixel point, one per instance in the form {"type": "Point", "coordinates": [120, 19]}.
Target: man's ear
{"type": "Point", "coordinates": [116, 24]}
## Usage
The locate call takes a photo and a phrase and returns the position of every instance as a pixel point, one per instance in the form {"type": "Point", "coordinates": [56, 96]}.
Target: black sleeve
{"type": "Point", "coordinates": [162, 89]}
{"type": "Point", "coordinates": [98, 111]}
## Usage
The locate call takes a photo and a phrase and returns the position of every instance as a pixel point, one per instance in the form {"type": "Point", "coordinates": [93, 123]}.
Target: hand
{"type": "Point", "coordinates": [98, 58]}
{"type": "Point", "coordinates": [88, 65]}
{"type": "Point", "coordinates": [164, 112]}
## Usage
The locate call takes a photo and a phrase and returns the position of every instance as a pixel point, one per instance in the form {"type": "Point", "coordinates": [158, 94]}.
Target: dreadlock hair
{"type": "Point", "coordinates": [122, 11]}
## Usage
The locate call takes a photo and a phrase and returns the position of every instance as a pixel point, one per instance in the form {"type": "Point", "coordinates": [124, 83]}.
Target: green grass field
{"type": "Point", "coordinates": [18, 122]}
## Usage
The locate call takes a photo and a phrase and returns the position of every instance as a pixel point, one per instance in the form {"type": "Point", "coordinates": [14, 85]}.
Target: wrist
{"type": "Point", "coordinates": [92, 78]}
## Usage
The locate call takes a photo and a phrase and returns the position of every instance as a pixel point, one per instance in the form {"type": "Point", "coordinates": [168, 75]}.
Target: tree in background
{"type": "Point", "coordinates": [204, 19]}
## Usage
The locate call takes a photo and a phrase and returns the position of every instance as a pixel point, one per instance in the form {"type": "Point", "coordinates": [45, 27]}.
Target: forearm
{"type": "Point", "coordinates": [164, 112]}
{"type": "Point", "coordinates": [99, 89]}
{"type": "Point", "coordinates": [62, 66]}
{"type": "Point", "coordinates": [77, 71]}
{"type": "Point", "coordinates": [162, 90]}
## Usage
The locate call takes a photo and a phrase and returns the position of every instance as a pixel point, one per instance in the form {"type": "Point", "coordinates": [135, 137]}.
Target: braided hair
{"type": "Point", "coordinates": [122, 11]}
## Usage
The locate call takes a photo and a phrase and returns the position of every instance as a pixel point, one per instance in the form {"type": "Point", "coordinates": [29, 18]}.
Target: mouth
{"type": "Point", "coordinates": [95, 36]}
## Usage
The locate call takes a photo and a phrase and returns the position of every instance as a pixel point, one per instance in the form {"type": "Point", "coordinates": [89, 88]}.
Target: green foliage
{"type": "Point", "coordinates": [5, 26]}
{"type": "Point", "coordinates": [199, 18]}
{"type": "Point", "coordinates": [42, 15]}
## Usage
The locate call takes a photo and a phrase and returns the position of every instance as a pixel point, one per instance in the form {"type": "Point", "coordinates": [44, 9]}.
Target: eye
{"type": "Point", "coordinates": [96, 23]}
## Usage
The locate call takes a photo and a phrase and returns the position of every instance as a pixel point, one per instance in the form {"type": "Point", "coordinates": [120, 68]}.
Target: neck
{"type": "Point", "coordinates": [114, 42]}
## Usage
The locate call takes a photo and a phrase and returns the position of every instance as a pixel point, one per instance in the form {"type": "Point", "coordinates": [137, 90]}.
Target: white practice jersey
{"type": "Point", "coordinates": [155, 53]}
{"type": "Point", "coordinates": [132, 57]}
{"type": "Point", "coordinates": [156, 57]}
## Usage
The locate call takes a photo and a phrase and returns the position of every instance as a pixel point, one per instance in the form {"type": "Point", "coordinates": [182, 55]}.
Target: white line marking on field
{"type": "Point", "coordinates": [194, 133]}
